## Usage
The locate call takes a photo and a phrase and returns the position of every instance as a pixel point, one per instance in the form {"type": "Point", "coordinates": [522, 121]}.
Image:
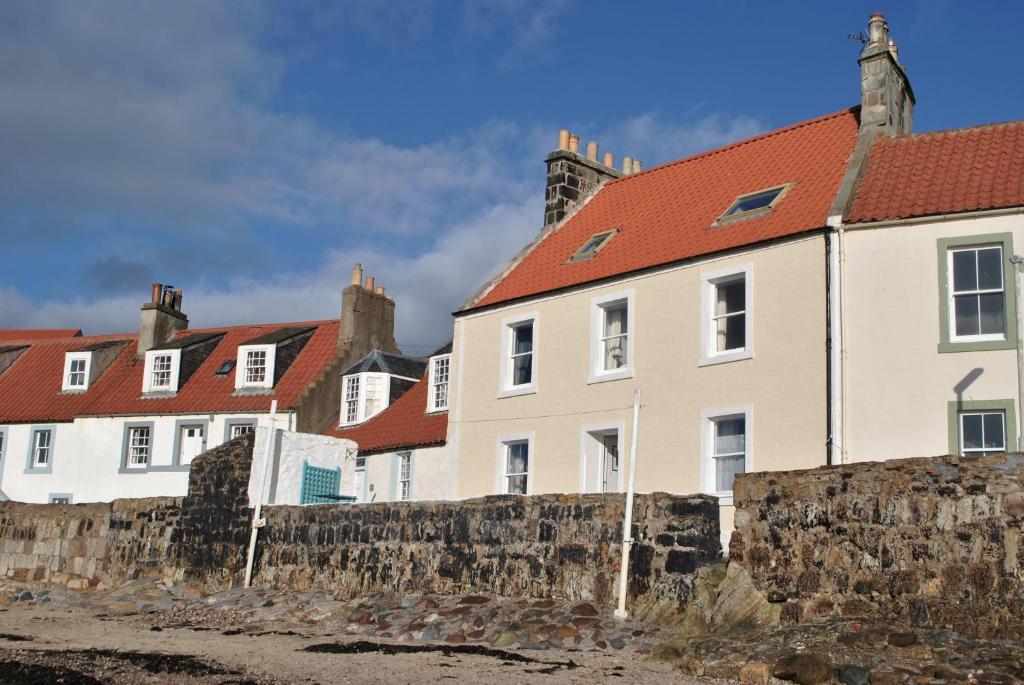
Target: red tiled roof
{"type": "Point", "coordinates": [37, 333]}
{"type": "Point", "coordinates": [404, 424]}
{"type": "Point", "coordinates": [666, 213]}
{"type": "Point", "coordinates": [945, 172]}
{"type": "Point", "coordinates": [30, 390]}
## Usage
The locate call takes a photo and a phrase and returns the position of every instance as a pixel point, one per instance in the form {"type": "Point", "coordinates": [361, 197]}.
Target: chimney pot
{"type": "Point", "coordinates": [627, 166]}
{"type": "Point", "coordinates": [369, 283]}
{"type": "Point", "coordinates": [574, 143]}
{"type": "Point", "coordinates": [609, 160]}
{"type": "Point", "coordinates": [380, 290]}
{"type": "Point", "coordinates": [878, 29]}
{"type": "Point", "coordinates": [636, 166]}
{"type": "Point", "coordinates": [154, 293]}
{"type": "Point", "coordinates": [592, 148]}
{"type": "Point", "coordinates": [563, 139]}
{"type": "Point", "coordinates": [357, 274]}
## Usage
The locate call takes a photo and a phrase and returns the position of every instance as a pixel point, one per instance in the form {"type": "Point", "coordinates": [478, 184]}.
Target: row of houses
{"type": "Point", "coordinates": [837, 290]}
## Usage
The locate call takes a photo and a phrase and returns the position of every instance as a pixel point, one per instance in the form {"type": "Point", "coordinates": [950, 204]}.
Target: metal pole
{"type": "Point", "coordinates": [258, 522]}
{"type": "Point", "coordinates": [1017, 260]}
{"type": "Point", "coordinates": [627, 526]}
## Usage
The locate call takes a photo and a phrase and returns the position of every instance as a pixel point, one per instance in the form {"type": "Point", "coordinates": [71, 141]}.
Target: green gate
{"type": "Point", "coordinates": [319, 485]}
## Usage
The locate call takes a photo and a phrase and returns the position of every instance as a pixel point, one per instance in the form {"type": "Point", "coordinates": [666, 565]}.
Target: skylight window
{"type": "Point", "coordinates": [226, 368]}
{"type": "Point", "coordinates": [593, 244]}
{"type": "Point", "coordinates": [753, 204]}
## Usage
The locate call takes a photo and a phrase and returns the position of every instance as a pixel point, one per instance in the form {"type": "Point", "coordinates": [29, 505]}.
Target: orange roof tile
{"type": "Point", "coordinates": [37, 333]}
{"type": "Point", "coordinates": [944, 172]}
{"type": "Point", "coordinates": [666, 214]}
{"type": "Point", "coordinates": [403, 425]}
{"type": "Point", "coordinates": [30, 390]}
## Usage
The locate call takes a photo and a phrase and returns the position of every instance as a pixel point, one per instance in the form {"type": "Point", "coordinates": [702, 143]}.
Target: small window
{"type": "Point", "coordinates": [404, 476]}
{"type": "Point", "coordinates": [725, 310]}
{"type": "Point", "coordinates": [60, 499]}
{"type": "Point", "coordinates": [351, 399]}
{"type": "Point", "coordinates": [161, 374]}
{"type": "Point", "coordinates": [226, 368]}
{"type": "Point", "coordinates": [42, 446]}
{"type": "Point", "coordinates": [255, 367]}
{"type": "Point", "coordinates": [593, 244]}
{"type": "Point", "coordinates": [753, 204]}
{"type": "Point", "coordinates": [729, 450]}
{"type": "Point", "coordinates": [977, 298]}
{"type": "Point", "coordinates": [521, 356]}
{"type": "Point", "coordinates": [240, 429]}
{"type": "Point", "coordinates": [614, 336]}
{"type": "Point", "coordinates": [982, 433]}
{"type": "Point", "coordinates": [76, 373]}
{"type": "Point", "coordinates": [440, 368]}
{"type": "Point", "coordinates": [138, 446]}
{"type": "Point", "coordinates": [517, 462]}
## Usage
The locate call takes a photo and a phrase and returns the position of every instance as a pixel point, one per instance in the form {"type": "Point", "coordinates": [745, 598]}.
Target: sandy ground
{"type": "Point", "coordinates": [82, 648]}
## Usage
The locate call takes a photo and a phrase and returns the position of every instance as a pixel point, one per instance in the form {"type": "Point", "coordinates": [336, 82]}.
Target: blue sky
{"type": "Point", "coordinates": [250, 153]}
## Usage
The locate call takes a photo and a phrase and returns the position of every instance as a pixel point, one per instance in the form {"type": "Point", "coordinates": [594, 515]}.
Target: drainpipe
{"type": "Point", "coordinates": [837, 353]}
{"type": "Point", "coordinates": [258, 522]}
{"type": "Point", "coordinates": [627, 526]}
{"type": "Point", "coordinates": [1017, 261]}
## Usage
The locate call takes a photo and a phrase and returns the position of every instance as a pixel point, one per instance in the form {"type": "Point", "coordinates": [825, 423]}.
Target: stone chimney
{"type": "Point", "coordinates": [572, 176]}
{"type": "Point", "coordinates": [367, 318]}
{"type": "Point", "coordinates": [886, 99]}
{"type": "Point", "coordinates": [161, 317]}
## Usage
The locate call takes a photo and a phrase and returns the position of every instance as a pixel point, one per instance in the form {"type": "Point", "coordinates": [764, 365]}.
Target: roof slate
{"type": "Point", "coordinates": [30, 390]}
{"type": "Point", "coordinates": [385, 362]}
{"type": "Point", "coordinates": [279, 335]}
{"type": "Point", "coordinates": [403, 425]}
{"type": "Point", "coordinates": [666, 214]}
{"type": "Point", "coordinates": [943, 172]}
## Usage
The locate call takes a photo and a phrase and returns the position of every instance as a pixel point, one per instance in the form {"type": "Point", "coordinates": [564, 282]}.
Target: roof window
{"type": "Point", "coordinates": [753, 204]}
{"type": "Point", "coordinates": [593, 244]}
{"type": "Point", "coordinates": [226, 368]}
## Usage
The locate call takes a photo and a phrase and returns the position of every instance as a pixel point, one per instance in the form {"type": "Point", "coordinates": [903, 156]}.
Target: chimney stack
{"type": "Point", "coordinates": [161, 317]}
{"type": "Point", "coordinates": [886, 98]}
{"type": "Point", "coordinates": [572, 176]}
{"type": "Point", "coordinates": [367, 319]}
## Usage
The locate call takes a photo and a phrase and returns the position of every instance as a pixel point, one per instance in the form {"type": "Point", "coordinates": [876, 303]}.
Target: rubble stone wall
{"type": "Point", "coordinates": [86, 544]}
{"type": "Point", "coordinates": [926, 542]}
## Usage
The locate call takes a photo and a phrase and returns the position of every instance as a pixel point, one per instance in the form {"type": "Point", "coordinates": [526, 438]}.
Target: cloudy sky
{"type": "Point", "coordinates": [251, 152]}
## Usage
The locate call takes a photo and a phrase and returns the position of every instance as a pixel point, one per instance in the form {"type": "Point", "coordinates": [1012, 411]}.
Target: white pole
{"type": "Point", "coordinates": [258, 522]}
{"type": "Point", "coordinates": [627, 525]}
{"type": "Point", "coordinates": [1017, 260]}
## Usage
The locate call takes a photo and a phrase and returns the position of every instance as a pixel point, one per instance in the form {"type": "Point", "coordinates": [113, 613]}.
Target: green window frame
{"type": "Point", "coordinates": [955, 408]}
{"type": "Point", "coordinates": [944, 245]}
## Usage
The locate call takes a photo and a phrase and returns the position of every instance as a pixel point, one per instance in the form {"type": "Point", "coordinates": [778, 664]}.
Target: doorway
{"type": "Point", "coordinates": [601, 465]}
{"type": "Point", "coordinates": [191, 442]}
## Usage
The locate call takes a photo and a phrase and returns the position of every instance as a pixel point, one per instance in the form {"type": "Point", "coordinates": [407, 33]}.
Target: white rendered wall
{"type": "Point", "coordinates": [433, 475]}
{"type": "Point", "coordinates": [289, 452]}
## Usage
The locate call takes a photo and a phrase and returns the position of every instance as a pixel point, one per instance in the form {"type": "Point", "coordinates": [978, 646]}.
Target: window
{"type": "Point", "coordinates": [372, 393]}
{"type": "Point", "coordinates": [522, 354]}
{"type": "Point", "coordinates": [240, 429]}
{"type": "Point", "coordinates": [60, 498]}
{"type": "Point", "coordinates": [517, 462]}
{"type": "Point", "coordinates": [753, 204]}
{"type": "Point", "coordinates": [42, 447]}
{"type": "Point", "coordinates": [725, 445]}
{"type": "Point", "coordinates": [404, 476]}
{"type": "Point", "coordinates": [440, 368]}
{"type": "Point", "coordinates": [351, 399]}
{"type": "Point", "coordinates": [982, 433]}
{"type": "Point", "coordinates": [726, 332]}
{"type": "Point", "coordinates": [519, 367]}
{"type": "Point", "coordinates": [161, 372]}
{"type": "Point", "coordinates": [138, 446]}
{"type": "Point", "coordinates": [593, 244]}
{"type": "Point", "coordinates": [76, 373]}
{"type": "Point", "coordinates": [611, 347]}
{"type": "Point", "coordinates": [977, 301]}
{"type": "Point", "coordinates": [226, 368]}
{"type": "Point", "coordinates": [255, 367]}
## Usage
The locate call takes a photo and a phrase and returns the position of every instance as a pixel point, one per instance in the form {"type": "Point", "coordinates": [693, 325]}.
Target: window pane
{"type": "Point", "coordinates": [994, 435]}
{"type": "Point", "coordinates": [966, 315]}
{"type": "Point", "coordinates": [993, 320]}
{"type": "Point", "coordinates": [754, 202]}
{"type": "Point", "coordinates": [730, 297]}
{"type": "Point", "coordinates": [965, 274]}
{"type": "Point", "coordinates": [522, 372]}
{"type": "Point", "coordinates": [523, 339]}
{"type": "Point", "coordinates": [971, 426]}
{"type": "Point", "coordinates": [517, 485]}
{"type": "Point", "coordinates": [990, 268]}
{"type": "Point", "coordinates": [732, 333]}
{"type": "Point", "coordinates": [615, 320]}
{"type": "Point", "coordinates": [726, 469]}
{"type": "Point", "coordinates": [730, 435]}
{"type": "Point", "coordinates": [518, 456]}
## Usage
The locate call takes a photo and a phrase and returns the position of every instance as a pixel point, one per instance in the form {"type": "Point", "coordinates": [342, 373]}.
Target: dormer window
{"type": "Point", "coordinates": [753, 204]}
{"type": "Point", "coordinates": [255, 367]}
{"type": "Point", "coordinates": [161, 371]}
{"type": "Point", "coordinates": [440, 370]}
{"type": "Point", "coordinates": [76, 371]}
{"type": "Point", "coordinates": [161, 379]}
{"type": "Point", "coordinates": [365, 396]}
{"type": "Point", "coordinates": [169, 366]}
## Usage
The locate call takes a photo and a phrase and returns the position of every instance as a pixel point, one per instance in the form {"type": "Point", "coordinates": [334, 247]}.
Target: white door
{"type": "Point", "coordinates": [191, 444]}
{"type": "Point", "coordinates": [610, 462]}
{"type": "Point", "coordinates": [357, 488]}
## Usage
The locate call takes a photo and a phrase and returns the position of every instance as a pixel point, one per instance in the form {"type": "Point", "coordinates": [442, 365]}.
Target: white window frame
{"type": "Point", "coordinates": [69, 359]}
{"type": "Point", "coordinates": [508, 327]}
{"type": "Point", "coordinates": [241, 383]}
{"type": "Point", "coordinates": [147, 379]}
{"type": "Point", "coordinates": [361, 414]}
{"type": "Point", "coordinates": [237, 430]}
{"type": "Point", "coordinates": [130, 447]}
{"type": "Point", "coordinates": [34, 447]}
{"type": "Point", "coordinates": [982, 451]}
{"type": "Point", "coordinates": [709, 283]}
{"type": "Point", "coordinates": [707, 447]}
{"type": "Point", "coordinates": [598, 307]}
{"type": "Point", "coordinates": [404, 480]}
{"type": "Point", "coordinates": [432, 403]}
{"type": "Point", "coordinates": [501, 461]}
{"type": "Point", "coordinates": [951, 297]}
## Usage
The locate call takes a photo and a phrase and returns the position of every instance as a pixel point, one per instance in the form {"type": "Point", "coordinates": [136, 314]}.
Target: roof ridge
{"type": "Point", "coordinates": [282, 324]}
{"type": "Point", "coordinates": [961, 129]}
{"type": "Point", "coordinates": [738, 143]}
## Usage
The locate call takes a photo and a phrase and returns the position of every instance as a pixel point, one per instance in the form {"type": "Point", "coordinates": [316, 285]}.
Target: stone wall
{"type": "Point", "coordinates": [927, 542]}
{"type": "Point", "coordinates": [86, 544]}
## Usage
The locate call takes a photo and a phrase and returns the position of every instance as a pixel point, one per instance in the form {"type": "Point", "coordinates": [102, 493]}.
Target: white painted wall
{"type": "Point", "coordinates": [433, 475]}
{"type": "Point", "coordinates": [290, 451]}
{"type": "Point", "coordinates": [87, 456]}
